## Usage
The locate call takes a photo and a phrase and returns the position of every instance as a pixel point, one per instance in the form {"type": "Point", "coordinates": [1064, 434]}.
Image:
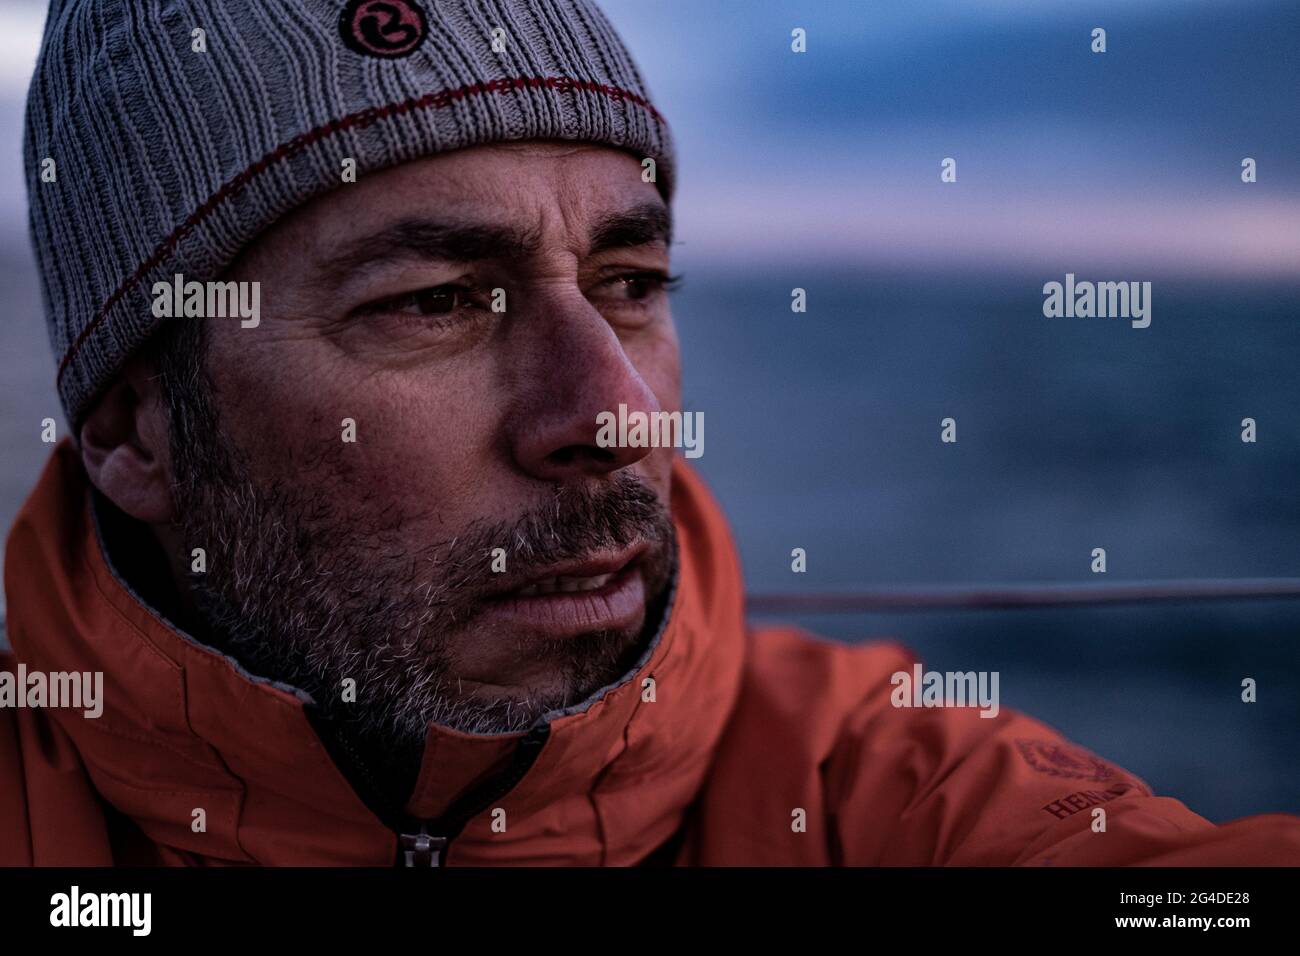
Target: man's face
{"type": "Point", "coordinates": [475, 429]}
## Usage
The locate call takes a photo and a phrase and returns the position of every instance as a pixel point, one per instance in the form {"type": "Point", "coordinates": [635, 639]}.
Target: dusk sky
{"type": "Point", "coordinates": [1066, 159]}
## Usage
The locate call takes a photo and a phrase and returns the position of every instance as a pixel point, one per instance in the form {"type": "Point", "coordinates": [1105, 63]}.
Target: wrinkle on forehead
{"type": "Point", "coordinates": [522, 177]}
{"type": "Point", "coordinates": [554, 191]}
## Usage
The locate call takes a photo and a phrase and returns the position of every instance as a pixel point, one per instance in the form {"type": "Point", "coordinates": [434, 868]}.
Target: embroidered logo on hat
{"type": "Point", "coordinates": [385, 28]}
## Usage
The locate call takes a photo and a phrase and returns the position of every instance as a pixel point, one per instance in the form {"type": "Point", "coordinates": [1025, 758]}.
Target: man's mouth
{"type": "Point", "coordinates": [565, 584]}
{"type": "Point", "coordinates": [601, 592]}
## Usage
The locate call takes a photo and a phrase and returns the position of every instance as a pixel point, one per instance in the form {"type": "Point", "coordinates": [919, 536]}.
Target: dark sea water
{"type": "Point", "coordinates": [822, 432]}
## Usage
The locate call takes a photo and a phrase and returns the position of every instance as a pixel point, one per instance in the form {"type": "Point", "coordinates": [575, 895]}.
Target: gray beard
{"type": "Point", "coordinates": [303, 591]}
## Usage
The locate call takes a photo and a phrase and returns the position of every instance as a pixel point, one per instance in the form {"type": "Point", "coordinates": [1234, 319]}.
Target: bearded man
{"type": "Point", "coordinates": [363, 585]}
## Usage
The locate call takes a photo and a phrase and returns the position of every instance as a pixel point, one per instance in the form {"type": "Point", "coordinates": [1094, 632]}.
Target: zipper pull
{"type": "Point", "coordinates": [422, 849]}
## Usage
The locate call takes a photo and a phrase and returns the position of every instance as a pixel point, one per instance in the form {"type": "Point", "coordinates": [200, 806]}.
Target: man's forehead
{"type": "Point", "coordinates": [448, 238]}
{"type": "Point", "coordinates": [527, 195]}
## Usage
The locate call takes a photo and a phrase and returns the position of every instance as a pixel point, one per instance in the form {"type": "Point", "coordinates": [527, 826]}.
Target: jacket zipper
{"type": "Point", "coordinates": [421, 849]}
{"type": "Point", "coordinates": [428, 846]}
{"type": "Point", "coordinates": [424, 843]}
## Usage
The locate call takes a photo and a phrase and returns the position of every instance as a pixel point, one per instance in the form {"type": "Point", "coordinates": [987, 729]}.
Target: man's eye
{"type": "Point", "coordinates": [641, 285]}
{"type": "Point", "coordinates": [438, 300]}
{"type": "Point", "coordinates": [432, 301]}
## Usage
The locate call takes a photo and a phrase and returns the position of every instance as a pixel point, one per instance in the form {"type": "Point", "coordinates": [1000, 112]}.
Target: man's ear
{"type": "Point", "coordinates": [124, 446]}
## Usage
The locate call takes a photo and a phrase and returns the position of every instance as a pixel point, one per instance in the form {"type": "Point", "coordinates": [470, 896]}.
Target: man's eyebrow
{"type": "Point", "coordinates": [638, 226]}
{"type": "Point", "coordinates": [449, 241]}
{"type": "Point", "coordinates": [462, 241]}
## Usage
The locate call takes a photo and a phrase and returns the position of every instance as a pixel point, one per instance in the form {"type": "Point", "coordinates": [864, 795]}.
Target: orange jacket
{"type": "Point", "coordinates": [744, 731]}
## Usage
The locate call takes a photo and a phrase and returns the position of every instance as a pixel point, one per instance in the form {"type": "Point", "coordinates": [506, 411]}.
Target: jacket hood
{"type": "Point", "coordinates": [185, 729]}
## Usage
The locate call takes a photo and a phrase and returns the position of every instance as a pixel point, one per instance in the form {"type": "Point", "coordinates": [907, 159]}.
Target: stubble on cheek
{"type": "Point", "coordinates": [315, 582]}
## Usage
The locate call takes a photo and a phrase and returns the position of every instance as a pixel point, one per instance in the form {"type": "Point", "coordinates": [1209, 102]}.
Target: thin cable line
{"type": "Point", "coordinates": [921, 597]}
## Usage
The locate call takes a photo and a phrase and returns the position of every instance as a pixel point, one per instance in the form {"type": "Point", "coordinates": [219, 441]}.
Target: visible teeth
{"type": "Point", "coordinates": [564, 585]}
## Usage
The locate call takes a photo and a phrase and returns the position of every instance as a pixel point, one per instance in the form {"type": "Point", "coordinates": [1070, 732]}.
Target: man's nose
{"type": "Point", "coordinates": [583, 370]}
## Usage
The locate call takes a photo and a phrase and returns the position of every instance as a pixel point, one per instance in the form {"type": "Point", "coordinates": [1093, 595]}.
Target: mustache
{"type": "Point", "coordinates": [625, 518]}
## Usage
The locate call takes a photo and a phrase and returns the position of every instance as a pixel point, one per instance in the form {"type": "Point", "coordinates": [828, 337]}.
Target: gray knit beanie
{"type": "Point", "coordinates": [164, 135]}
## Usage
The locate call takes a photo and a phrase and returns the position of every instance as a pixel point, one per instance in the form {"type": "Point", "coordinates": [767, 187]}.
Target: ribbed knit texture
{"type": "Point", "coordinates": [170, 160]}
